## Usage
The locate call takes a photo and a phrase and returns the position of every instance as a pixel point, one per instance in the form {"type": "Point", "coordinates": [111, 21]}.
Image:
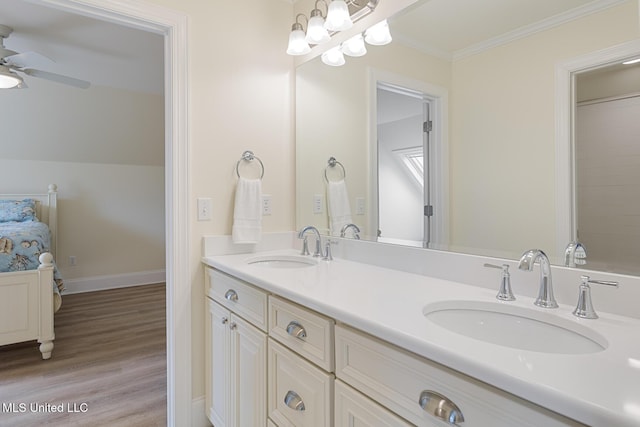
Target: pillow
{"type": "Point", "coordinates": [18, 210]}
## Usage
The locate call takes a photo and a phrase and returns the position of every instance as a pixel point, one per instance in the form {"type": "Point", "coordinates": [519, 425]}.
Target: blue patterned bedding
{"type": "Point", "coordinates": [21, 243]}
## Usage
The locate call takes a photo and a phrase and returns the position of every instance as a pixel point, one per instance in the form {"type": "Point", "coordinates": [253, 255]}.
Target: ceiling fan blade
{"type": "Point", "coordinates": [4, 52]}
{"type": "Point", "coordinates": [29, 59]}
{"type": "Point", "coordinates": [56, 78]}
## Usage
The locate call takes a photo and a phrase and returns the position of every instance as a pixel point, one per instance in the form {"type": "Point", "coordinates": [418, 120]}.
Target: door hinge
{"type": "Point", "coordinates": [428, 210]}
{"type": "Point", "coordinates": [427, 126]}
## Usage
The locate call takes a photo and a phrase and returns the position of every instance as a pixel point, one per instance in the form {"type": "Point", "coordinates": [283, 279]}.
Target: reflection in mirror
{"type": "Point", "coordinates": [493, 69]}
{"type": "Point", "coordinates": [607, 157]}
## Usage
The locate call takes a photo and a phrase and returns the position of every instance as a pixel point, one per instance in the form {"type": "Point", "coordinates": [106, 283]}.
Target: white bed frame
{"type": "Point", "coordinates": [26, 297]}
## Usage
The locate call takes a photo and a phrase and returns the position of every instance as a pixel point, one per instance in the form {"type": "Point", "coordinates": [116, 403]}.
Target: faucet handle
{"type": "Point", "coordinates": [584, 308]}
{"type": "Point", "coordinates": [505, 293]}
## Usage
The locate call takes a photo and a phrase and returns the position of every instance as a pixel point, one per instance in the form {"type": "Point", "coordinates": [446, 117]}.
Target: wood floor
{"type": "Point", "coordinates": [108, 366]}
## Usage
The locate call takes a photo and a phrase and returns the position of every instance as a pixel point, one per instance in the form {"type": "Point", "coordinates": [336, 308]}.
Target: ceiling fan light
{"type": "Point", "coordinates": [354, 46]}
{"type": "Point", "coordinates": [333, 57]}
{"type": "Point", "coordinates": [338, 18]}
{"type": "Point", "coordinates": [378, 34]}
{"type": "Point", "coordinates": [8, 79]}
{"type": "Point", "coordinates": [316, 32]}
{"type": "Point", "coordinates": [297, 43]}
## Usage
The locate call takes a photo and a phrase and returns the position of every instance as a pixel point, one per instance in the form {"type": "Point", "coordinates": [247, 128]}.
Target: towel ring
{"type": "Point", "coordinates": [331, 163]}
{"type": "Point", "coordinates": [248, 156]}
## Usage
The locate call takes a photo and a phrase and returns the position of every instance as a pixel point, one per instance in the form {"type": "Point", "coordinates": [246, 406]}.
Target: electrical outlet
{"type": "Point", "coordinates": [360, 206]}
{"type": "Point", "coordinates": [72, 260]}
{"type": "Point", "coordinates": [317, 203]}
{"type": "Point", "coordinates": [266, 204]}
{"type": "Point", "coordinates": [204, 209]}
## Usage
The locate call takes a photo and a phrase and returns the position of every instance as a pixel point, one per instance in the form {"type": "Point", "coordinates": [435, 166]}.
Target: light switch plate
{"type": "Point", "coordinates": [360, 206]}
{"type": "Point", "coordinates": [317, 203]}
{"type": "Point", "coordinates": [266, 204]}
{"type": "Point", "coordinates": [204, 209]}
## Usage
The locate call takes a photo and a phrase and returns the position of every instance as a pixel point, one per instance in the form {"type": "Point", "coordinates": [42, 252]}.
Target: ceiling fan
{"type": "Point", "coordinates": [12, 63]}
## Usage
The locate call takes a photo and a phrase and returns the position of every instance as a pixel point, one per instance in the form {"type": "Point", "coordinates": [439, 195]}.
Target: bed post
{"type": "Point", "coordinates": [46, 334]}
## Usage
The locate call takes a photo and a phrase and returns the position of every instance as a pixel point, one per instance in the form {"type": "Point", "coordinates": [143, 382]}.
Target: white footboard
{"type": "Point", "coordinates": [26, 306]}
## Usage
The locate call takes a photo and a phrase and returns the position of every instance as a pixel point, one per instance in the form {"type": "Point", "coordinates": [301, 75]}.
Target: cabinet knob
{"type": "Point", "coordinates": [231, 295]}
{"type": "Point", "coordinates": [224, 320]}
{"type": "Point", "coordinates": [233, 325]}
{"type": "Point", "coordinates": [294, 401]}
{"type": "Point", "coordinates": [295, 329]}
{"type": "Point", "coordinates": [440, 407]}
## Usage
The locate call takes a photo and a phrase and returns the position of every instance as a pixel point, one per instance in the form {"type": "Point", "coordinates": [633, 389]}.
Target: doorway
{"type": "Point", "coordinates": [409, 161]}
{"type": "Point", "coordinates": [405, 208]}
{"type": "Point", "coordinates": [173, 26]}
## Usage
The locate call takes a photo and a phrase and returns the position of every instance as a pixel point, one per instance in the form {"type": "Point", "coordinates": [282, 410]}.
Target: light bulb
{"type": "Point", "coordinates": [378, 34]}
{"type": "Point", "coordinates": [354, 46]}
{"type": "Point", "coordinates": [338, 18]}
{"type": "Point", "coordinates": [333, 57]}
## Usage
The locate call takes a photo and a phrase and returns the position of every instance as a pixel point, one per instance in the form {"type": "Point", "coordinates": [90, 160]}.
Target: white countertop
{"type": "Point", "coordinates": [598, 389]}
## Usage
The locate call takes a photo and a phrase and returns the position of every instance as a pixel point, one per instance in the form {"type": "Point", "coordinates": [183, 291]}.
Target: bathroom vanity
{"type": "Point", "coordinates": [298, 341]}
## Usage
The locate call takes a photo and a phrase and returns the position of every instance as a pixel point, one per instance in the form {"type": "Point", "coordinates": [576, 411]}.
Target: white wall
{"type": "Point", "coordinates": [104, 148]}
{"type": "Point", "coordinates": [502, 136]}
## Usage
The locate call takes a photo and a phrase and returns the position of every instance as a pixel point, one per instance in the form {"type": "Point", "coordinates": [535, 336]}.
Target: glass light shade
{"type": "Point", "coordinates": [354, 46]}
{"type": "Point", "coordinates": [379, 34]}
{"type": "Point", "coordinates": [338, 18]}
{"type": "Point", "coordinates": [8, 79]}
{"type": "Point", "coordinates": [297, 43]}
{"type": "Point", "coordinates": [333, 57]}
{"type": "Point", "coordinates": [316, 32]}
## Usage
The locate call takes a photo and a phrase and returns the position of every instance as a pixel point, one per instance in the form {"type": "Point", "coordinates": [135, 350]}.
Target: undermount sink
{"type": "Point", "coordinates": [283, 261]}
{"type": "Point", "coordinates": [515, 327]}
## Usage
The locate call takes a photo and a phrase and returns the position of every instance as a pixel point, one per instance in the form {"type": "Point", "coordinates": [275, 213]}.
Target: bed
{"type": "Point", "coordinates": [30, 285]}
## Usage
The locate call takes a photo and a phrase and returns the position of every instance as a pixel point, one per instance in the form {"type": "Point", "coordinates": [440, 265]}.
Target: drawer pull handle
{"type": "Point", "coordinates": [231, 295]}
{"type": "Point", "coordinates": [440, 407]}
{"type": "Point", "coordinates": [294, 401]}
{"type": "Point", "coordinates": [295, 329]}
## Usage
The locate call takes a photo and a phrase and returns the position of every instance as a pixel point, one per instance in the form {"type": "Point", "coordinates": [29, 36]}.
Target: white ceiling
{"type": "Point", "coordinates": [103, 53]}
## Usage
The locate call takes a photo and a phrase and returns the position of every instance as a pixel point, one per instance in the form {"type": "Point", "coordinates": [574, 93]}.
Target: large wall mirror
{"type": "Point", "coordinates": [484, 76]}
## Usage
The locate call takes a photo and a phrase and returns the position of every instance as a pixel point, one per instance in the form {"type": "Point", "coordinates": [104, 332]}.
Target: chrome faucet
{"type": "Point", "coordinates": [575, 254]}
{"type": "Point", "coordinates": [301, 235]}
{"type": "Point", "coordinates": [545, 293]}
{"type": "Point", "coordinates": [355, 228]}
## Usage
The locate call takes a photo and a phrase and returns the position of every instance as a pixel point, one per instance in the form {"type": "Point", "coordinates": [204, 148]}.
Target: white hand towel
{"type": "Point", "coordinates": [247, 214]}
{"type": "Point", "coordinates": [339, 208]}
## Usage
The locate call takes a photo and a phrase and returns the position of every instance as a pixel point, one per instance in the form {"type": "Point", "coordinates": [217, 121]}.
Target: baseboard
{"type": "Point", "coordinates": [198, 413]}
{"type": "Point", "coordinates": [100, 283]}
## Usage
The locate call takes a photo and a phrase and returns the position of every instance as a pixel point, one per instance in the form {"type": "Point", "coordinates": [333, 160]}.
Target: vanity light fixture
{"type": "Point", "coordinates": [316, 31]}
{"type": "Point", "coordinates": [378, 34]}
{"type": "Point", "coordinates": [632, 61]}
{"type": "Point", "coordinates": [340, 16]}
{"type": "Point", "coordinates": [8, 78]}
{"type": "Point", "coordinates": [333, 57]}
{"type": "Point", "coordinates": [297, 43]}
{"type": "Point", "coordinates": [354, 46]}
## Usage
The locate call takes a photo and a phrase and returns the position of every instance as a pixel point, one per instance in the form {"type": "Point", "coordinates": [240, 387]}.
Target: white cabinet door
{"type": "Point", "coordinates": [236, 370]}
{"type": "Point", "coordinates": [249, 368]}
{"type": "Point", "coordinates": [218, 375]}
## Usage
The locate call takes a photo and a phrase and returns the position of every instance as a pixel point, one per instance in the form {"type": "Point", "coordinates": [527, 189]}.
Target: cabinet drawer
{"type": "Point", "coordinates": [397, 379]}
{"type": "Point", "coordinates": [355, 409]}
{"type": "Point", "coordinates": [299, 393]}
{"type": "Point", "coordinates": [303, 331]}
{"type": "Point", "coordinates": [240, 297]}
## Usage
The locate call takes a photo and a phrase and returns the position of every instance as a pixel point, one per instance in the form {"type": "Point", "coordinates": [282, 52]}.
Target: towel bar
{"type": "Point", "coordinates": [331, 163]}
{"type": "Point", "coordinates": [248, 156]}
